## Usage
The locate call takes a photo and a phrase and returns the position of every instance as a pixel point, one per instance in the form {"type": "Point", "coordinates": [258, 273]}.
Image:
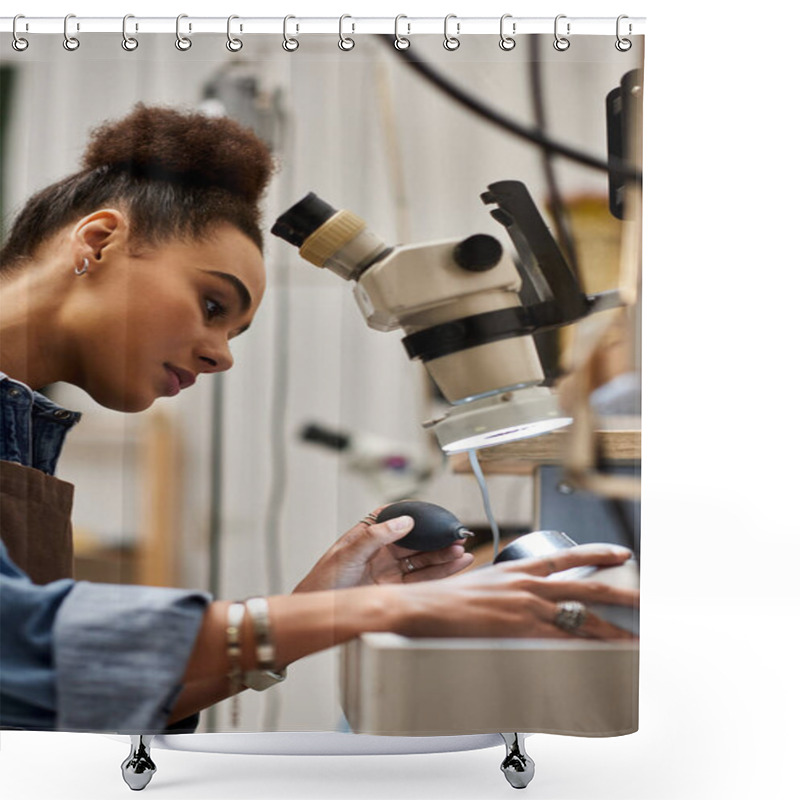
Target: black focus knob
{"type": "Point", "coordinates": [434, 527]}
{"type": "Point", "coordinates": [478, 253]}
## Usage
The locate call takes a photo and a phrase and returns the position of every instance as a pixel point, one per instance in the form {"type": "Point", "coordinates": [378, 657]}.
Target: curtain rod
{"type": "Point", "coordinates": [403, 25]}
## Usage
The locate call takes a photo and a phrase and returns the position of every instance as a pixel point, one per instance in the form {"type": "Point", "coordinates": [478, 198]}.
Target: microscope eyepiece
{"type": "Point", "coordinates": [302, 219]}
{"type": "Point", "coordinates": [326, 237]}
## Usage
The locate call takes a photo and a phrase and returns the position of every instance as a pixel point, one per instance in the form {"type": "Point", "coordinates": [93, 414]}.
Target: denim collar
{"type": "Point", "coordinates": [33, 426]}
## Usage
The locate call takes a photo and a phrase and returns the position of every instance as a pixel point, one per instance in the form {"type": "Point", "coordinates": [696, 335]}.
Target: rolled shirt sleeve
{"type": "Point", "coordinates": [27, 673]}
{"type": "Point", "coordinates": [120, 653]}
{"type": "Point", "coordinates": [92, 656]}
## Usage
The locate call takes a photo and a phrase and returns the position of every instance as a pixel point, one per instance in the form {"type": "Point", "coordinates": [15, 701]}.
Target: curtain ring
{"type": "Point", "coordinates": [451, 42]}
{"type": "Point", "coordinates": [129, 43]}
{"type": "Point", "coordinates": [345, 42]}
{"type": "Point", "coordinates": [290, 44]}
{"type": "Point", "coordinates": [70, 42]}
{"type": "Point", "coordinates": [507, 42]}
{"type": "Point", "coordinates": [233, 44]}
{"type": "Point", "coordinates": [18, 43]}
{"type": "Point", "coordinates": [623, 45]}
{"type": "Point", "coordinates": [400, 42]}
{"type": "Point", "coordinates": [182, 42]}
{"type": "Point", "coordinates": [561, 43]}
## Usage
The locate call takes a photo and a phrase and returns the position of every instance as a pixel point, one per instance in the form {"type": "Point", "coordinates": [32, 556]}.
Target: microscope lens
{"type": "Point", "coordinates": [302, 219]}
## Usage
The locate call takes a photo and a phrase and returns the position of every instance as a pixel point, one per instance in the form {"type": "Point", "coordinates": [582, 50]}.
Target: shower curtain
{"type": "Point", "coordinates": [224, 489]}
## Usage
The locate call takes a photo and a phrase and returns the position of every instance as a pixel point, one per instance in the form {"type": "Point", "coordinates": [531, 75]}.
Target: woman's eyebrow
{"type": "Point", "coordinates": [244, 295]}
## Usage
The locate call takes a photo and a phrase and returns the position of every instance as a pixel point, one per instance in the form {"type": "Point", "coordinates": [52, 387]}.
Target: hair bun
{"type": "Point", "coordinates": [163, 143]}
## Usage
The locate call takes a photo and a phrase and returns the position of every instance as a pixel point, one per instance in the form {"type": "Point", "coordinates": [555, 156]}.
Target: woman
{"type": "Point", "coordinates": [129, 279]}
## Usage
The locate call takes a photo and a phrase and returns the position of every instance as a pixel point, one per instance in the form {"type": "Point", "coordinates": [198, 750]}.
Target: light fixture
{"type": "Point", "coordinates": [500, 418]}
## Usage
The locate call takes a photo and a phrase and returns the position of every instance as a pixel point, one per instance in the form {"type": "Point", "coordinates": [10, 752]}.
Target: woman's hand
{"type": "Point", "coordinates": [514, 599]}
{"type": "Point", "coordinates": [366, 555]}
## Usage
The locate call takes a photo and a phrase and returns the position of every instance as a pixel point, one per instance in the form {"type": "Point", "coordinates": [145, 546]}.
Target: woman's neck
{"type": "Point", "coordinates": [32, 349]}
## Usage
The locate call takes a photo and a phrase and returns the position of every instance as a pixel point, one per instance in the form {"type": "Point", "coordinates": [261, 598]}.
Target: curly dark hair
{"type": "Point", "coordinates": [177, 174]}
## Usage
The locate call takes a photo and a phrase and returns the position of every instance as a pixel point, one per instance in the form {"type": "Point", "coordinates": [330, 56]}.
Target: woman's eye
{"type": "Point", "coordinates": [213, 308]}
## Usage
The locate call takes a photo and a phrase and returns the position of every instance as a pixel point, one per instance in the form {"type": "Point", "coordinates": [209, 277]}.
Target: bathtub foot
{"type": "Point", "coordinates": [138, 768]}
{"type": "Point", "coordinates": [518, 766]}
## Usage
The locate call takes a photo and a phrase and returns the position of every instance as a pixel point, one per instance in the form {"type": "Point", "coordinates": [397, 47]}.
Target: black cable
{"type": "Point", "coordinates": [548, 343]}
{"type": "Point", "coordinates": [533, 135]}
{"type": "Point", "coordinates": [561, 216]}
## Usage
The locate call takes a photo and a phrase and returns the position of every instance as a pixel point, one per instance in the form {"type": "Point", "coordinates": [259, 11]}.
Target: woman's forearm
{"type": "Point", "coordinates": [309, 622]}
{"type": "Point", "coordinates": [300, 624]}
{"type": "Point", "coordinates": [199, 695]}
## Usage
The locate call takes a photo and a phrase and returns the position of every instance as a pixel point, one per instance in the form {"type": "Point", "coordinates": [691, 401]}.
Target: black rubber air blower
{"type": "Point", "coordinates": [434, 527]}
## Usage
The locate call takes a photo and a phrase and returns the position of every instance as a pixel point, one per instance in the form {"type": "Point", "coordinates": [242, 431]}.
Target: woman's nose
{"type": "Point", "coordinates": [216, 358]}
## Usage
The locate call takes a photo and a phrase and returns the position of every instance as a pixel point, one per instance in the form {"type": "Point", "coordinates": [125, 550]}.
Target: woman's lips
{"type": "Point", "coordinates": [177, 379]}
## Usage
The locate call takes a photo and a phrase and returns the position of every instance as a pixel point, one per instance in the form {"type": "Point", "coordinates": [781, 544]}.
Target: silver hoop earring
{"type": "Point", "coordinates": [84, 267]}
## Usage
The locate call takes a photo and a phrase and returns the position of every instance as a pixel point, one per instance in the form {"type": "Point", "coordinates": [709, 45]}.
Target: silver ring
{"type": "Point", "coordinates": [400, 42]}
{"type": "Point", "coordinates": [409, 567]}
{"type": "Point", "coordinates": [70, 42]}
{"type": "Point", "coordinates": [369, 519]}
{"type": "Point", "coordinates": [570, 615]}
{"type": "Point", "coordinates": [451, 42]}
{"type": "Point", "coordinates": [290, 44]}
{"type": "Point", "coordinates": [507, 42]}
{"type": "Point", "coordinates": [345, 42]}
{"type": "Point", "coordinates": [233, 44]}
{"type": "Point", "coordinates": [623, 45]}
{"type": "Point", "coordinates": [129, 43]}
{"type": "Point", "coordinates": [561, 43]}
{"type": "Point", "coordinates": [18, 43]}
{"type": "Point", "coordinates": [182, 42]}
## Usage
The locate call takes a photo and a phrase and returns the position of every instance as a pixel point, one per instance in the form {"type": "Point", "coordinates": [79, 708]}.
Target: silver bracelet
{"type": "Point", "coordinates": [234, 649]}
{"type": "Point", "coordinates": [264, 675]}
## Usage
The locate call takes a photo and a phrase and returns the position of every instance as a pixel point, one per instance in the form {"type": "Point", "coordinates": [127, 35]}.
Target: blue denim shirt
{"type": "Point", "coordinates": [76, 655]}
{"type": "Point", "coordinates": [33, 427]}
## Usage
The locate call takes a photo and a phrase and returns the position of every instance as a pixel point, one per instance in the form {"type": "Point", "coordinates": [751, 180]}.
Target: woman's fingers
{"type": "Point", "coordinates": [587, 592]}
{"type": "Point", "coordinates": [365, 539]}
{"type": "Point", "coordinates": [593, 626]}
{"type": "Point", "coordinates": [598, 555]}
{"type": "Point", "coordinates": [597, 628]}
{"type": "Point", "coordinates": [426, 567]}
{"type": "Point", "coordinates": [420, 559]}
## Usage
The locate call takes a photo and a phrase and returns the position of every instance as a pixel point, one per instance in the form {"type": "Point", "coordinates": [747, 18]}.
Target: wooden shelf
{"type": "Point", "coordinates": [522, 457]}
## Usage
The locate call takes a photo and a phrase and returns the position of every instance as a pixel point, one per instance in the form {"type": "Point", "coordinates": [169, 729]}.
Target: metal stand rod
{"type": "Point", "coordinates": [138, 768]}
{"type": "Point", "coordinates": [518, 766]}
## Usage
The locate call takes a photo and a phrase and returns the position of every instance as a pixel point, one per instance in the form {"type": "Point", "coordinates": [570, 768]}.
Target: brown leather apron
{"type": "Point", "coordinates": [35, 525]}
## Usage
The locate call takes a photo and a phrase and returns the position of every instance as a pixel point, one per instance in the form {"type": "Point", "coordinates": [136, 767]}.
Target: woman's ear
{"type": "Point", "coordinates": [100, 233]}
